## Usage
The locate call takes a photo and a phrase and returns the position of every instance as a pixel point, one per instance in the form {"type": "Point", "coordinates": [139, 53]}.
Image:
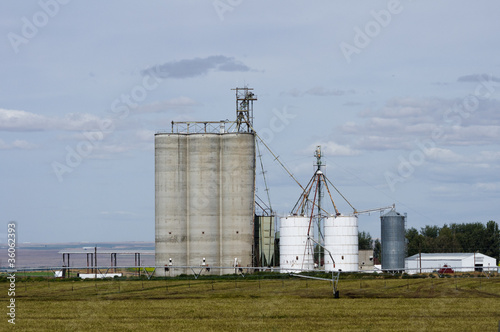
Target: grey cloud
{"type": "Point", "coordinates": [196, 67]}
{"type": "Point", "coordinates": [352, 103]}
{"type": "Point", "coordinates": [478, 78]}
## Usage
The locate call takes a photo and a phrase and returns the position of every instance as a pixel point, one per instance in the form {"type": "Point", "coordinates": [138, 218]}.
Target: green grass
{"type": "Point", "coordinates": [32, 274]}
{"type": "Point", "coordinates": [449, 304]}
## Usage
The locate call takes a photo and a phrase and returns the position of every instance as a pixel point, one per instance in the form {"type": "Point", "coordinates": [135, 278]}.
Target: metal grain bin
{"type": "Point", "coordinates": [393, 241]}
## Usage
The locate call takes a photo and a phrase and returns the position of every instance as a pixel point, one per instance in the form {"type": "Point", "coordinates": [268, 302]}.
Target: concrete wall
{"type": "Point", "coordinates": [204, 200]}
{"type": "Point", "coordinates": [365, 260]}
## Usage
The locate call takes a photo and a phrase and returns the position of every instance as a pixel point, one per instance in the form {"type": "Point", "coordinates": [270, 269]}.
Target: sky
{"type": "Point", "coordinates": [402, 96]}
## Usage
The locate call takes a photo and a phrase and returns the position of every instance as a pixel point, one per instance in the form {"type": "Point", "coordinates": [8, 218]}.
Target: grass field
{"type": "Point", "coordinates": [242, 304]}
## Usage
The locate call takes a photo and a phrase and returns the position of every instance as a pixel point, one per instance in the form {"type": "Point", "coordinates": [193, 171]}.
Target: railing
{"type": "Point", "coordinates": [202, 127]}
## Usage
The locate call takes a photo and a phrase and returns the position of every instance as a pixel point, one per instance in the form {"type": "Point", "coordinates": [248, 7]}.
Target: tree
{"type": "Point", "coordinates": [365, 241]}
{"type": "Point", "coordinates": [377, 252]}
{"type": "Point", "coordinates": [445, 241]}
{"type": "Point", "coordinates": [469, 237]}
{"type": "Point", "coordinates": [492, 240]}
{"type": "Point", "coordinates": [414, 241]}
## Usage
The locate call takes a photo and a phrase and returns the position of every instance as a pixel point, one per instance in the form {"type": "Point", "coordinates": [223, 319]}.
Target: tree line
{"type": "Point", "coordinates": [467, 237]}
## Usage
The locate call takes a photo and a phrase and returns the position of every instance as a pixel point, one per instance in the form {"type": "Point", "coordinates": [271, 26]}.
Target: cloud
{"type": "Point", "coordinates": [318, 91]}
{"type": "Point", "coordinates": [352, 103]}
{"type": "Point", "coordinates": [401, 121]}
{"type": "Point", "coordinates": [17, 144]}
{"type": "Point", "coordinates": [145, 135]}
{"type": "Point", "coordinates": [22, 120]}
{"type": "Point", "coordinates": [15, 120]}
{"type": "Point", "coordinates": [478, 78]}
{"type": "Point", "coordinates": [188, 68]}
{"type": "Point", "coordinates": [444, 155]}
{"type": "Point", "coordinates": [489, 187]}
{"type": "Point", "coordinates": [332, 148]}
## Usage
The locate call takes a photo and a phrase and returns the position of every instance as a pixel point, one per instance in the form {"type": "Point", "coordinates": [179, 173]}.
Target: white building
{"type": "Point", "coordinates": [458, 262]}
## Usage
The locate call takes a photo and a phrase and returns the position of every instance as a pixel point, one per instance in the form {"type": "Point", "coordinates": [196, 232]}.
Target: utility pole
{"type": "Point", "coordinates": [95, 260]}
{"type": "Point", "coordinates": [420, 258]}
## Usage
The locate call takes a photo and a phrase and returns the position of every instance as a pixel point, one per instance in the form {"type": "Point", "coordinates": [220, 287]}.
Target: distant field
{"type": "Point", "coordinates": [446, 304]}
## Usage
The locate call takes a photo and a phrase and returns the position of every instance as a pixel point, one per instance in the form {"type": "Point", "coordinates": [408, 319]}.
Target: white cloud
{"type": "Point", "coordinates": [382, 143]}
{"type": "Point", "coordinates": [444, 155]}
{"type": "Point", "coordinates": [406, 119]}
{"type": "Point", "coordinates": [332, 148]}
{"type": "Point", "coordinates": [22, 120]}
{"type": "Point", "coordinates": [145, 135]}
{"type": "Point", "coordinates": [488, 186]}
{"type": "Point", "coordinates": [17, 144]}
{"type": "Point", "coordinates": [15, 120]}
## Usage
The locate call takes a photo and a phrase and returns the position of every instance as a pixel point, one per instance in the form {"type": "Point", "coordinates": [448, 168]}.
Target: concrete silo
{"type": "Point", "coordinates": [204, 199]}
{"type": "Point", "coordinates": [393, 241]}
{"type": "Point", "coordinates": [205, 193]}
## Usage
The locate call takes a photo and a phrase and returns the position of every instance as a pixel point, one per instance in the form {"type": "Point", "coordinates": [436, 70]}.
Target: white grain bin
{"type": "Point", "coordinates": [341, 239]}
{"type": "Point", "coordinates": [296, 252]}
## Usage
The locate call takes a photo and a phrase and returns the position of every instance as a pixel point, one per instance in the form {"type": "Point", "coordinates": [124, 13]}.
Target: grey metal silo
{"type": "Point", "coordinates": [393, 241]}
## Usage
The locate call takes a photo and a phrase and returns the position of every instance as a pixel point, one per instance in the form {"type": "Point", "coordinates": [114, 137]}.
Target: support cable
{"type": "Point", "coordinates": [264, 175]}
{"type": "Point", "coordinates": [276, 157]}
{"type": "Point", "coordinates": [329, 193]}
{"type": "Point", "coordinates": [345, 199]}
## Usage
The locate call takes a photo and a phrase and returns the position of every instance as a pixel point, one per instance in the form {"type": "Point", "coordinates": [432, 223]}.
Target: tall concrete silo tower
{"type": "Point", "coordinates": [205, 193]}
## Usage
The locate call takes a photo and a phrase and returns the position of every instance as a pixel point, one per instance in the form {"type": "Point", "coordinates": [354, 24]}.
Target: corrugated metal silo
{"type": "Point", "coordinates": [341, 239]}
{"type": "Point", "coordinates": [296, 252]}
{"type": "Point", "coordinates": [393, 241]}
{"type": "Point", "coordinates": [264, 237]}
{"type": "Point", "coordinates": [204, 199]}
